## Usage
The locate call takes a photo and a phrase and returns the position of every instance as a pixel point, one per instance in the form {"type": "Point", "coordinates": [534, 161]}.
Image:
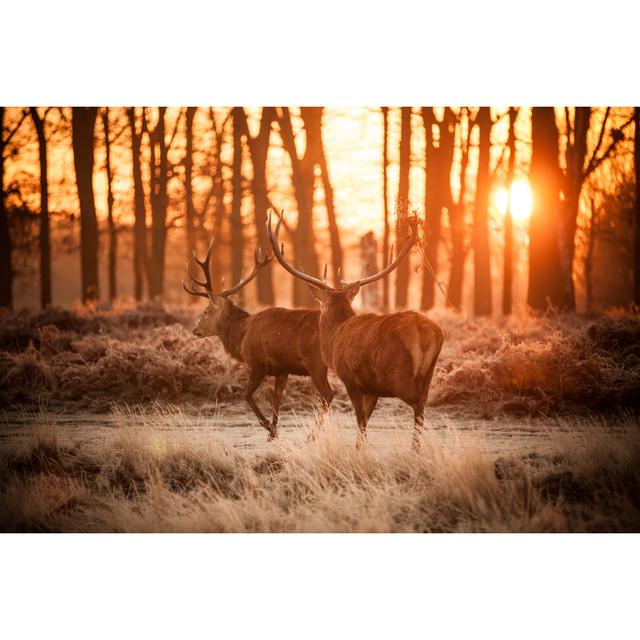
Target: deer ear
{"type": "Point", "coordinates": [353, 292]}
{"type": "Point", "coordinates": [317, 293]}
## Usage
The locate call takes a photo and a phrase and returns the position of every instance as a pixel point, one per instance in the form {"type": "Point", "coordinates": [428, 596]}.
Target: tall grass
{"type": "Point", "coordinates": [149, 480]}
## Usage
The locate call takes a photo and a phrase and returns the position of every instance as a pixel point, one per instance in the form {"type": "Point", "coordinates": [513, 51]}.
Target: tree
{"type": "Point", "coordinates": [507, 270]}
{"type": "Point", "coordinates": [83, 123]}
{"type": "Point", "coordinates": [438, 160]}
{"type": "Point", "coordinates": [237, 241]}
{"type": "Point", "coordinates": [545, 272]}
{"type": "Point", "coordinates": [481, 251]}
{"type": "Point", "coordinates": [636, 162]}
{"type": "Point", "coordinates": [140, 222]}
{"type": "Point", "coordinates": [113, 238]}
{"type": "Point", "coordinates": [456, 214]}
{"type": "Point", "coordinates": [385, 202]}
{"type": "Point", "coordinates": [259, 149]}
{"type": "Point", "coordinates": [158, 191]}
{"type": "Point", "coordinates": [188, 182]}
{"type": "Point", "coordinates": [302, 173]}
{"type": "Point", "coordinates": [39, 123]}
{"type": "Point", "coordinates": [402, 222]}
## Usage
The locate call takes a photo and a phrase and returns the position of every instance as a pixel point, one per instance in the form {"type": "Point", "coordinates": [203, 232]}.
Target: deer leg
{"type": "Point", "coordinates": [370, 403]}
{"type": "Point", "coordinates": [255, 380]}
{"type": "Point", "coordinates": [321, 383]}
{"type": "Point", "coordinates": [278, 390]}
{"type": "Point", "coordinates": [358, 401]}
{"type": "Point", "coordinates": [418, 421]}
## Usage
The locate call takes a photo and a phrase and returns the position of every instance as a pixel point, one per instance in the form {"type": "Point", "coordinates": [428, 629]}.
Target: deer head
{"type": "Point", "coordinates": [343, 293]}
{"type": "Point", "coordinates": [209, 322]}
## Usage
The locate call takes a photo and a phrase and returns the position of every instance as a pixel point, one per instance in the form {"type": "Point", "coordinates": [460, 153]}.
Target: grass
{"type": "Point", "coordinates": [147, 479]}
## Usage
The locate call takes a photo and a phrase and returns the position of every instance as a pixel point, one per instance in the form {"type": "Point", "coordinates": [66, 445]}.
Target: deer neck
{"type": "Point", "coordinates": [331, 318]}
{"type": "Point", "coordinates": [232, 329]}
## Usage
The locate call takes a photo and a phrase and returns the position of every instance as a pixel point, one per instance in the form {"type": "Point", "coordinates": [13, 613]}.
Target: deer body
{"type": "Point", "coordinates": [274, 342]}
{"type": "Point", "coordinates": [391, 355]}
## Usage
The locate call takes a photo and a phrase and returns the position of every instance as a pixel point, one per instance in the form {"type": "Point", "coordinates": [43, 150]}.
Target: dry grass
{"type": "Point", "coordinates": [146, 480]}
{"type": "Point", "coordinates": [86, 359]}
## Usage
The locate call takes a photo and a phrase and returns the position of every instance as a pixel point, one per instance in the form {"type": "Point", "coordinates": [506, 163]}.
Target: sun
{"type": "Point", "coordinates": [521, 200]}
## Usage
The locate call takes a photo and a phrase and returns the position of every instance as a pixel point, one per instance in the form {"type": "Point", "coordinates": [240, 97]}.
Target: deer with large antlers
{"type": "Point", "coordinates": [274, 342]}
{"type": "Point", "coordinates": [390, 355]}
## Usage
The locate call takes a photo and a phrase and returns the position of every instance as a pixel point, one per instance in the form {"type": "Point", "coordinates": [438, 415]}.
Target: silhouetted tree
{"type": "Point", "coordinates": [402, 223]}
{"type": "Point", "coordinates": [304, 250]}
{"type": "Point", "coordinates": [507, 270]}
{"type": "Point", "coordinates": [456, 214]}
{"type": "Point", "coordinates": [481, 252]}
{"type": "Point", "coordinates": [636, 161]}
{"type": "Point", "coordinates": [159, 199]}
{"type": "Point", "coordinates": [237, 240]}
{"type": "Point", "coordinates": [438, 160]}
{"type": "Point", "coordinates": [545, 273]}
{"type": "Point", "coordinates": [188, 182]}
{"type": "Point", "coordinates": [259, 149]}
{"type": "Point", "coordinates": [113, 238]}
{"type": "Point", "coordinates": [39, 123]}
{"type": "Point", "coordinates": [140, 221]}
{"type": "Point", "coordinates": [6, 274]}
{"type": "Point", "coordinates": [83, 123]}
{"type": "Point", "coordinates": [220, 211]}
{"type": "Point", "coordinates": [385, 204]}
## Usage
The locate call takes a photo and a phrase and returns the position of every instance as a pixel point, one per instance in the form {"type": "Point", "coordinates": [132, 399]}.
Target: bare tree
{"type": "Point", "coordinates": [39, 123]}
{"type": "Point", "coordinates": [302, 169]}
{"type": "Point", "coordinates": [507, 270]}
{"type": "Point", "coordinates": [481, 251]}
{"type": "Point", "coordinates": [259, 149]}
{"type": "Point", "coordinates": [459, 249]}
{"type": "Point", "coordinates": [113, 238]}
{"type": "Point", "coordinates": [385, 203]}
{"type": "Point", "coordinates": [237, 239]}
{"type": "Point", "coordinates": [83, 123]}
{"type": "Point", "coordinates": [188, 182]}
{"type": "Point", "coordinates": [402, 223]}
{"type": "Point", "coordinates": [140, 223]}
{"type": "Point", "coordinates": [438, 161]}
{"type": "Point", "coordinates": [545, 273]}
{"type": "Point", "coordinates": [636, 160]}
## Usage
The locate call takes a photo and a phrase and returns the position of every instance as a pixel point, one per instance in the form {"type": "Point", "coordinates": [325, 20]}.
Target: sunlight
{"type": "Point", "coordinates": [521, 200]}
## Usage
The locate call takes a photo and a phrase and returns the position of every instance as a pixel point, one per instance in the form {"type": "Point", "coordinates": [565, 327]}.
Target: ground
{"type": "Point", "coordinates": [121, 421]}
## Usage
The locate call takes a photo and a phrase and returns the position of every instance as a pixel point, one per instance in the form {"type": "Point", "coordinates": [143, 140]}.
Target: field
{"type": "Point", "coordinates": [120, 420]}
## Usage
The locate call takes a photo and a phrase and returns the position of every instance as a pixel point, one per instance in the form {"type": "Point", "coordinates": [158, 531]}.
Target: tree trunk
{"type": "Point", "coordinates": [385, 204]}
{"type": "Point", "coordinates": [140, 222]}
{"type": "Point", "coordinates": [113, 238]}
{"type": "Point", "coordinates": [83, 123]}
{"type": "Point", "coordinates": [237, 241]}
{"type": "Point", "coordinates": [188, 184]}
{"type": "Point", "coordinates": [158, 170]}
{"type": "Point", "coordinates": [402, 223]}
{"type": "Point", "coordinates": [576, 153]}
{"type": "Point", "coordinates": [545, 272]}
{"type": "Point", "coordinates": [481, 259]}
{"type": "Point", "coordinates": [304, 250]}
{"type": "Point", "coordinates": [636, 159]}
{"type": "Point", "coordinates": [6, 274]}
{"type": "Point", "coordinates": [438, 162]}
{"type": "Point", "coordinates": [45, 240]}
{"type": "Point", "coordinates": [456, 220]}
{"type": "Point", "coordinates": [507, 270]}
{"type": "Point", "coordinates": [259, 148]}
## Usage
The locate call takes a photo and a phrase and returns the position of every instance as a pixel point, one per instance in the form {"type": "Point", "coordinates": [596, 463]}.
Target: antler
{"type": "Point", "coordinates": [391, 265]}
{"type": "Point", "coordinates": [278, 251]}
{"type": "Point", "coordinates": [204, 265]}
{"type": "Point", "coordinates": [261, 260]}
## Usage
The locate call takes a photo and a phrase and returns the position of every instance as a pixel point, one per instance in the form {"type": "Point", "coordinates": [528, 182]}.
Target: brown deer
{"type": "Point", "coordinates": [274, 342]}
{"type": "Point", "coordinates": [390, 356]}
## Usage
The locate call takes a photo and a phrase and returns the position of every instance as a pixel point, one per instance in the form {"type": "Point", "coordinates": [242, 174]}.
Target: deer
{"type": "Point", "coordinates": [275, 342]}
{"type": "Point", "coordinates": [391, 355]}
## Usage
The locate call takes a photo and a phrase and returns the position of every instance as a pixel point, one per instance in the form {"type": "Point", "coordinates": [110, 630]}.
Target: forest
{"type": "Point", "coordinates": [519, 230]}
